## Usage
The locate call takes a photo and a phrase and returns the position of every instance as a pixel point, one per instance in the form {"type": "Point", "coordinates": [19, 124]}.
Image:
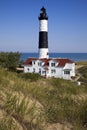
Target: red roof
{"type": "Point", "coordinates": [29, 61]}
{"type": "Point", "coordinates": [61, 61]}
{"type": "Point", "coordinates": [46, 61]}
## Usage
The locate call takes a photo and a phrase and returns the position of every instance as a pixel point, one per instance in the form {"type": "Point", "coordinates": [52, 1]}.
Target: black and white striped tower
{"type": "Point", "coordinates": [43, 34]}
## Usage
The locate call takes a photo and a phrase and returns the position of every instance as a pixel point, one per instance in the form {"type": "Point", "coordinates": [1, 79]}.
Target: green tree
{"type": "Point", "coordinates": [9, 60]}
{"type": "Point", "coordinates": [13, 60]}
{"type": "Point", "coordinates": [3, 59]}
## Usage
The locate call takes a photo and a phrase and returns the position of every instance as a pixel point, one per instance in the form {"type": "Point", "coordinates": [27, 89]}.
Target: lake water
{"type": "Point", "coordinates": [72, 56]}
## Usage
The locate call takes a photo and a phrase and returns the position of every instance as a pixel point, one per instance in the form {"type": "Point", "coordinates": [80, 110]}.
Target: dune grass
{"type": "Point", "coordinates": [81, 63]}
{"type": "Point", "coordinates": [83, 71]}
{"type": "Point", "coordinates": [34, 102]}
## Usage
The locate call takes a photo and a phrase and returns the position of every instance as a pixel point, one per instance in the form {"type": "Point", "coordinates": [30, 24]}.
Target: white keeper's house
{"type": "Point", "coordinates": [45, 66]}
{"type": "Point", "coordinates": [59, 68]}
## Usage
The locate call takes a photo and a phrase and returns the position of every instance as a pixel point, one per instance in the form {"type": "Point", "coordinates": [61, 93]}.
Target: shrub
{"type": "Point", "coordinates": [29, 76]}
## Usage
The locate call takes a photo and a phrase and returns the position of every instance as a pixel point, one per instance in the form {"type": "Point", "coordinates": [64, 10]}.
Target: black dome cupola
{"type": "Point", "coordinates": [43, 14]}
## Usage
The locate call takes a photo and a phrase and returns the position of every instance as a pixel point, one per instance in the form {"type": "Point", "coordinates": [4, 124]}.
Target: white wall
{"type": "Point", "coordinates": [34, 67]}
{"type": "Point", "coordinates": [71, 68]}
{"type": "Point", "coordinates": [57, 72]}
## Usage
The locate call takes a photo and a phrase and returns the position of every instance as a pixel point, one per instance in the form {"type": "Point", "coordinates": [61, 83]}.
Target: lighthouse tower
{"type": "Point", "coordinates": [43, 34]}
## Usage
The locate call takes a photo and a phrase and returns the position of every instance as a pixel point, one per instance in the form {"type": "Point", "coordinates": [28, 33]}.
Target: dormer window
{"type": "Point", "coordinates": [53, 64]}
{"type": "Point", "coordinates": [34, 62]}
{"type": "Point", "coordinates": [39, 63]}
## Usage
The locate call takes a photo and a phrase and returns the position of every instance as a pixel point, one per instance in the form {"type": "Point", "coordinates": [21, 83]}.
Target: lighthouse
{"type": "Point", "coordinates": [43, 65]}
{"type": "Point", "coordinates": [43, 34]}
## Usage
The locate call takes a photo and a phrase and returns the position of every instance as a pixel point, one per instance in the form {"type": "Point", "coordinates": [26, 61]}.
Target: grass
{"type": "Point", "coordinates": [81, 63]}
{"type": "Point", "coordinates": [7, 124]}
{"type": "Point", "coordinates": [83, 71]}
{"type": "Point", "coordinates": [35, 102]}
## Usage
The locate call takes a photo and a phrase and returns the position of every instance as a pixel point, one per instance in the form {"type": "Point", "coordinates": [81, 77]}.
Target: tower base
{"type": "Point", "coordinates": [43, 53]}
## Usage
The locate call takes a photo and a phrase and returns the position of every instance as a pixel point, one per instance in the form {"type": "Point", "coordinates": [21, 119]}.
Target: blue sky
{"type": "Point", "coordinates": [19, 25]}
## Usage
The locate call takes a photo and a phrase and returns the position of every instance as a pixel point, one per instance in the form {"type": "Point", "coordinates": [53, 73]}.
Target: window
{"type": "Point", "coordinates": [39, 71]}
{"type": "Point", "coordinates": [52, 64]}
{"type": "Point", "coordinates": [44, 72]}
{"type": "Point", "coordinates": [47, 53]}
{"type": "Point", "coordinates": [53, 71]}
{"type": "Point", "coordinates": [28, 69]}
{"type": "Point", "coordinates": [67, 72]}
{"type": "Point", "coordinates": [39, 63]}
{"type": "Point", "coordinates": [33, 70]}
{"type": "Point", "coordinates": [33, 62]}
